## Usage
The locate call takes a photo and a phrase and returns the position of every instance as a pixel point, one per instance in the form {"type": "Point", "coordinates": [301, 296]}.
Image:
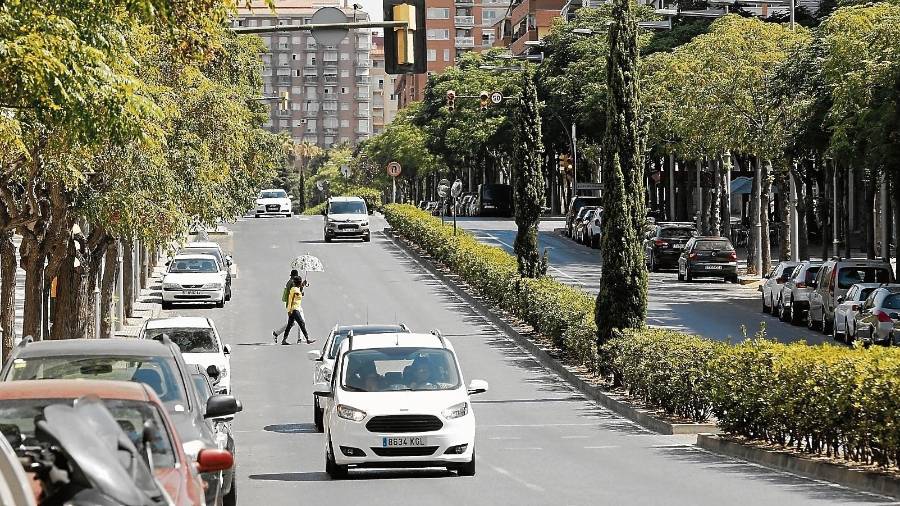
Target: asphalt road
{"type": "Point", "coordinates": [539, 442]}
{"type": "Point", "coordinates": [707, 307]}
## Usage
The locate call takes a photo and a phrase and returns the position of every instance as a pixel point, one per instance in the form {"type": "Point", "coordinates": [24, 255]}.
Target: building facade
{"type": "Point", "coordinates": [384, 102]}
{"type": "Point", "coordinates": [329, 88]}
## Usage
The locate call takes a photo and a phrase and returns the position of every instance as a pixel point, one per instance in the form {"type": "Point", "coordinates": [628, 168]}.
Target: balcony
{"type": "Point", "coordinates": [464, 21]}
{"type": "Point", "coordinates": [364, 63]}
{"type": "Point", "coordinates": [331, 79]}
{"type": "Point", "coordinates": [465, 3]}
{"type": "Point", "coordinates": [362, 80]}
{"type": "Point", "coordinates": [465, 42]}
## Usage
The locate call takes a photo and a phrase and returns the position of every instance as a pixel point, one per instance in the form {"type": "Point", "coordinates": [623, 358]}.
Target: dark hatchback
{"type": "Point", "coordinates": [665, 242]}
{"type": "Point", "coordinates": [708, 257]}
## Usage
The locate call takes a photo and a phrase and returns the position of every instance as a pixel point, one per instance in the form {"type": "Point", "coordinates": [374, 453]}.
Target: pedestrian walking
{"type": "Point", "coordinates": [284, 299]}
{"type": "Point", "coordinates": [293, 307]}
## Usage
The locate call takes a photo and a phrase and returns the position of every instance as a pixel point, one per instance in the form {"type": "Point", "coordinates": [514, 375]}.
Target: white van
{"type": "Point", "coordinates": [832, 282]}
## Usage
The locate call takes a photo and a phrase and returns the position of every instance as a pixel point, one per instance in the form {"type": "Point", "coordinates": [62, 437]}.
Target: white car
{"type": "Point", "coordinates": [211, 248]}
{"type": "Point", "coordinates": [847, 309]}
{"type": "Point", "coordinates": [399, 400]}
{"type": "Point", "coordinates": [324, 360]}
{"type": "Point", "coordinates": [193, 279]}
{"type": "Point", "coordinates": [592, 228]}
{"type": "Point", "coordinates": [346, 217]}
{"type": "Point", "coordinates": [273, 202]}
{"type": "Point", "coordinates": [200, 344]}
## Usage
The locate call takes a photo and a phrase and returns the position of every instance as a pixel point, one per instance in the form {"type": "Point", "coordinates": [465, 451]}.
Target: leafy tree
{"type": "Point", "coordinates": [528, 178]}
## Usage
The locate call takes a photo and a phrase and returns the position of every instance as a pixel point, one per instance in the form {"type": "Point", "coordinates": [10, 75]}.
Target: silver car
{"type": "Point", "coordinates": [849, 305]}
{"type": "Point", "coordinates": [795, 292]}
{"type": "Point", "coordinates": [771, 288]}
{"type": "Point", "coordinates": [878, 321]}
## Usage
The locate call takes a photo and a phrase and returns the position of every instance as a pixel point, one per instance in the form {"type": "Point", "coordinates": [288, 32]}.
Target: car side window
{"type": "Point", "coordinates": [853, 293]}
{"type": "Point", "coordinates": [870, 301]}
{"type": "Point", "coordinates": [822, 280]}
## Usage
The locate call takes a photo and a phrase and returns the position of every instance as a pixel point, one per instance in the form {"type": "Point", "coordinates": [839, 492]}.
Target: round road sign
{"type": "Point", "coordinates": [496, 97]}
{"type": "Point", "coordinates": [320, 185]}
{"type": "Point", "coordinates": [329, 36]}
{"type": "Point", "coordinates": [393, 169]}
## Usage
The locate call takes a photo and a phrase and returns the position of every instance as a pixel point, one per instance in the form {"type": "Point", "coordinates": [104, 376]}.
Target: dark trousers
{"type": "Point", "coordinates": [295, 316]}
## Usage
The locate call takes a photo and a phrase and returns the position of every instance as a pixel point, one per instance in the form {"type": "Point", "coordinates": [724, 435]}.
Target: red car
{"type": "Point", "coordinates": [132, 404]}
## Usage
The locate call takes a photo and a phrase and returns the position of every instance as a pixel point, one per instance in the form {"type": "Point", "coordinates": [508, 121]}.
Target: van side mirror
{"type": "Point", "coordinates": [478, 387]}
{"type": "Point", "coordinates": [226, 349]}
{"type": "Point", "coordinates": [219, 406]}
{"type": "Point", "coordinates": [314, 355]}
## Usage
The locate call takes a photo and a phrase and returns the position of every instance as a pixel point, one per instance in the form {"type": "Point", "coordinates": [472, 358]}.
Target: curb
{"type": "Point", "coordinates": [642, 417]}
{"type": "Point", "coordinates": [789, 462]}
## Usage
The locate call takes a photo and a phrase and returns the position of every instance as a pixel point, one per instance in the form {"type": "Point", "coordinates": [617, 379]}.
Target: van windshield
{"type": "Point", "coordinates": [400, 369]}
{"type": "Point", "coordinates": [347, 207]}
{"type": "Point", "coordinates": [849, 276]}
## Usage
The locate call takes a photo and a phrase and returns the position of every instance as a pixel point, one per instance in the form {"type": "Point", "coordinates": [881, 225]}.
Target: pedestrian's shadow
{"type": "Point", "coordinates": [311, 476]}
{"type": "Point", "coordinates": [292, 428]}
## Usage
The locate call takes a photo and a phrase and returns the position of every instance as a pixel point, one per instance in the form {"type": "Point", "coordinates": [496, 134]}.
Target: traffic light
{"type": "Point", "coordinates": [451, 100]}
{"type": "Point", "coordinates": [485, 98]}
{"type": "Point", "coordinates": [283, 101]}
{"type": "Point", "coordinates": [404, 46]}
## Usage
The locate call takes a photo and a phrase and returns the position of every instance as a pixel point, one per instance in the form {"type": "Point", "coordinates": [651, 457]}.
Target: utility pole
{"type": "Point", "coordinates": [574, 162]}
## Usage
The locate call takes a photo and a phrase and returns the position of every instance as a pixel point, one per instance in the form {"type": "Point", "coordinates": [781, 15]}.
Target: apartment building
{"type": "Point", "coordinates": [453, 27]}
{"type": "Point", "coordinates": [329, 87]}
{"type": "Point", "coordinates": [384, 102]}
{"type": "Point", "coordinates": [525, 21]}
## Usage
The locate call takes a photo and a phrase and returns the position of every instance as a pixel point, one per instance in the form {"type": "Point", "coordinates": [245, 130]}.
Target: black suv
{"type": "Point", "coordinates": [157, 364]}
{"type": "Point", "coordinates": [664, 243]}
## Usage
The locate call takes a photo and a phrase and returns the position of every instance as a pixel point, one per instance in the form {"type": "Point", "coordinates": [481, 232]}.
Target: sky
{"type": "Point", "coordinates": [373, 7]}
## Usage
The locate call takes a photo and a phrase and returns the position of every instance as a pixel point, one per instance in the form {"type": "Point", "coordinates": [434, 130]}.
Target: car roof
{"type": "Point", "coordinates": [179, 322]}
{"type": "Point", "coordinates": [375, 327]}
{"type": "Point", "coordinates": [398, 340]}
{"type": "Point", "coordinates": [202, 244]}
{"type": "Point", "coordinates": [868, 285]}
{"type": "Point", "coordinates": [710, 238]}
{"type": "Point", "coordinates": [346, 199]}
{"type": "Point", "coordinates": [194, 256]}
{"type": "Point", "coordinates": [99, 347]}
{"type": "Point", "coordinates": [73, 389]}
{"type": "Point", "coordinates": [675, 224]}
{"type": "Point", "coordinates": [859, 262]}
{"type": "Point", "coordinates": [273, 190]}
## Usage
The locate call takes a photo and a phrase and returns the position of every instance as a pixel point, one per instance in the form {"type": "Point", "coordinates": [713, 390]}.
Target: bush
{"type": "Point", "coordinates": [821, 399]}
{"type": "Point", "coordinates": [314, 210]}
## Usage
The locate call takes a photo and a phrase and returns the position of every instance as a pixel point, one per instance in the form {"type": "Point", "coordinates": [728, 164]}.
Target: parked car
{"type": "Point", "coordinates": [878, 321]}
{"type": "Point", "coordinates": [199, 342]}
{"type": "Point", "coordinates": [134, 408]}
{"type": "Point", "coordinates": [192, 279]}
{"type": "Point", "coordinates": [592, 229]}
{"type": "Point", "coordinates": [795, 292]}
{"type": "Point", "coordinates": [346, 217]}
{"type": "Point", "coordinates": [324, 360]}
{"type": "Point", "coordinates": [834, 279]}
{"type": "Point", "coordinates": [706, 257]}
{"type": "Point", "coordinates": [432, 207]}
{"type": "Point", "coordinates": [579, 222]}
{"type": "Point", "coordinates": [16, 487]}
{"type": "Point", "coordinates": [273, 202]}
{"type": "Point", "coordinates": [494, 200]}
{"type": "Point", "coordinates": [211, 248]}
{"type": "Point", "coordinates": [664, 244]}
{"type": "Point", "coordinates": [848, 307]}
{"type": "Point", "coordinates": [221, 427]}
{"type": "Point", "coordinates": [771, 287]}
{"type": "Point", "coordinates": [399, 400]}
{"type": "Point", "coordinates": [575, 206]}
{"type": "Point", "coordinates": [158, 364]}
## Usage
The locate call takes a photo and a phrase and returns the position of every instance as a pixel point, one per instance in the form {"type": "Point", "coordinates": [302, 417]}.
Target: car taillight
{"type": "Point", "coordinates": [800, 284]}
{"type": "Point", "coordinates": [831, 285]}
{"type": "Point", "coordinates": [693, 256]}
{"type": "Point", "coordinates": [660, 242]}
{"type": "Point", "coordinates": [882, 316]}
{"type": "Point", "coordinates": [733, 256]}
{"type": "Point", "coordinates": [854, 307]}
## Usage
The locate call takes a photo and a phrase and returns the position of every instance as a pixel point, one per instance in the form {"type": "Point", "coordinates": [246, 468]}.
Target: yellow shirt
{"type": "Point", "coordinates": [294, 298]}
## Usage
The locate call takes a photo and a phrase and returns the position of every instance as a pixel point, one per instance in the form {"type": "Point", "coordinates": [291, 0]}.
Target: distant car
{"type": "Point", "coordinates": [211, 248]}
{"type": "Point", "coordinates": [494, 200]}
{"type": "Point", "coordinates": [771, 287]}
{"type": "Point", "coordinates": [878, 321]}
{"type": "Point", "coordinates": [158, 364]}
{"type": "Point", "coordinates": [193, 279]}
{"type": "Point", "coordinates": [593, 229]}
{"type": "Point", "coordinates": [346, 217]}
{"type": "Point", "coordinates": [848, 307]}
{"type": "Point", "coordinates": [578, 223]}
{"type": "Point", "coordinates": [134, 406]}
{"type": "Point", "coordinates": [222, 429]}
{"type": "Point", "coordinates": [432, 207]}
{"type": "Point", "coordinates": [664, 243]}
{"type": "Point", "coordinates": [273, 202]}
{"type": "Point", "coordinates": [199, 342]}
{"type": "Point", "coordinates": [708, 257]}
{"type": "Point", "coordinates": [795, 292]}
{"type": "Point", "coordinates": [324, 359]}
{"type": "Point", "coordinates": [575, 206]}
{"type": "Point", "coordinates": [399, 400]}
{"type": "Point", "coordinates": [834, 279]}
{"type": "Point", "coordinates": [462, 204]}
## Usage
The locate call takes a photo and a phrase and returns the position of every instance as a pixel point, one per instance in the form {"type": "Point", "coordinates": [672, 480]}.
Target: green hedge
{"type": "Point", "coordinates": [823, 399]}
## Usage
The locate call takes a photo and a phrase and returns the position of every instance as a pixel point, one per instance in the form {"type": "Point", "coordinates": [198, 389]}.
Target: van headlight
{"type": "Point", "coordinates": [456, 411]}
{"type": "Point", "coordinates": [171, 286]}
{"type": "Point", "coordinates": [212, 286]}
{"type": "Point", "coordinates": [350, 413]}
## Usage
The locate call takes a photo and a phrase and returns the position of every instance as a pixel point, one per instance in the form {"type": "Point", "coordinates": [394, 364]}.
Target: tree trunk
{"type": "Point", "coordinates": [802, 241]}
{"type": "Point", "coordinates": [869, 222]}
{"type": "Point", "coordinates": [845, 213]}
{"type": "Point", "coordinates": [784, 214]}
{"type": "Point", "coordinates": [753, 247]}
{"type": "Point", "coordinates": [826, 209]}
{"type": "Point", "coordinates": [71, 314]}
{"type": "Point", "coordinates": [895, 192]}
{"type": "Point", "coordinates": [724, 193]}
{"type": "Point", "coordinates": [128, 266]}
{"type": "Point", "coordinates": [7, 293]}
{"type": "Point", "coordinates": [33, 263]}
{"type": "Point", "coordinates": [108, 289]}
{"type": "Point", "coordinates": [764, 201]}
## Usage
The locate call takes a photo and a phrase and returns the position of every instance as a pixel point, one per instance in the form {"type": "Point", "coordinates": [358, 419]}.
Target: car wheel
{"type": "Point", "coordinates": [826, 325]}
{"type": "Point", "coordinates": [595, 241]}
{"type": "Point", "coordinates": [796, 316]}
{"type": "Point", "coordinates": [367, 237]}
{"type": "Point", "coordinates": [256, 216]}
{"type": "Point", "coordinates": [334, 471]}
{"type": "Point", "coordinates": [166, 305]}
{"type": "Point", "coordinates": [290, 215]}
{"type": "Point", "coordinates": [228, 295]}
{"type": "Point", "coordinates": [783, 312]}
{"type": "Point", "coordinates": [220, 304]}
{"type": "Point", "coordinates": [327, 238]}
{"type": "Point", "coordinates": [231, 498]}
{"type": "Point", "coordinates": [687, 275]}
{"type": "Point", "coordinates": [318, 414]}
{"type": "Point", "coordinates": [680, 275]}
{"type": "Point", "coordinates": [467, 469]}
{"type": "Point", "coordinates": [810, 321]}
{"type": "Point", "coordinates": [735, 279]}
{"type": "Point", "coordinates": [838, 336]}
{"type": "Point", "coordinates": [765, 308]}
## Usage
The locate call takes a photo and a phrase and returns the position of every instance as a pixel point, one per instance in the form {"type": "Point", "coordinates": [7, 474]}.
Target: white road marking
{"type": "Point", "coordinates": [504, 438]}
{"type": "Point", "coordinates": [527, 448]}
{"type": "Point", "coordinates": [574, 437]}
{"type": "Point", "coordinates": [539, 425]}
{"type": "Point", "coordinates": [509, 475]}
{"type": "Point", "coordinates": [603, 447]}
{"type": "Point", "coordinates": [554, 269]}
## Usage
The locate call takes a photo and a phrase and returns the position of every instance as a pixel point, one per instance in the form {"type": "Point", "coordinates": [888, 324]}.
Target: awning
{"type": "Point", "coordinates": [741, 185]}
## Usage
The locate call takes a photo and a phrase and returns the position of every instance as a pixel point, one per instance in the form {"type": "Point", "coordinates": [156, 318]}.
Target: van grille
{"type": "Point", "coordinates": [412, 451]}
{"type": "Point", "coordinates": [404, 423]}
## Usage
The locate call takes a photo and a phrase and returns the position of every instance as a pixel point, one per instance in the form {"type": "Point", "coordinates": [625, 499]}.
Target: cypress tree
{"type": "Point", "coordinates": [622, 300]}
{"type": "Point", "coordinates": [528, 179]}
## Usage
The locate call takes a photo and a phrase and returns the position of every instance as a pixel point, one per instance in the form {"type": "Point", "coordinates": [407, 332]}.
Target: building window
{"type": "Point", "coordinates": [363, 125]}
{"type": "Point", "coordinates": [432, 55]}
{"type": "Point", "coordinates": [381, 84]}
{"type": "Point", "coordinates": [295, 57]}
{"type": "Point", "coordinates": [438, 34]}
{"type": "Point", "coordinates": [310, 59]}
{"type": "Point", "coordinates": [345, 56]}
{"type": "Point", "coordinates": [330, 56]}
{"type": "Point", "coordinates": [311, 125]}
{"type": "Point", "coordinates": [345, 106]}
{"type": "Point", "coordinates": [446, 55]}
{"type": "Point", "coordinates": [295, 106]}
{"type": "Point", "coordinates": [345, 73]}
{"type": "Point", "coordinates": [345, 123]}
{"type": "Point", "coordinates": [285, 123]}
{"type": "Point", "coordinates": [344, 90]}
{"type": "Point", "coordinates": [437, 13]}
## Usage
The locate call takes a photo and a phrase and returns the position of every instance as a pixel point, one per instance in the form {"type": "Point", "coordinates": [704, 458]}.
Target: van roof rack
{"type": "Point", "coordinates": [350, 340]}
{"type": "Point", "coordinates": [437, 333]}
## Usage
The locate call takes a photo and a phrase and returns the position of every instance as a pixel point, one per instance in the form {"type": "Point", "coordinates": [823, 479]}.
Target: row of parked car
{"type": "Point", "coordinates": [666, 244]}
{"type": "Point", "coordinates": [850, 299]}
{"type": "Point", "coordinates": [120, 421]}
{"type": "Point", "coordinates": [388, 397]}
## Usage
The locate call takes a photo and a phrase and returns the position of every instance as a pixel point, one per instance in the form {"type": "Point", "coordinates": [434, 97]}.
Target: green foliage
{"type": "Point", "coordinates": [315, 210]}
{"type": "Point", "coordinates": [683, 31]}
{"type": "Point", "coordinates": [528, 178]}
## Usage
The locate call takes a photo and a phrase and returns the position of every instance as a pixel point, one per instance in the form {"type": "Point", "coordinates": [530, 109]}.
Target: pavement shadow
{"type": "Point", "coordinates": [292, 428]}
{"type": "Point", "coordinates": [291, 477]}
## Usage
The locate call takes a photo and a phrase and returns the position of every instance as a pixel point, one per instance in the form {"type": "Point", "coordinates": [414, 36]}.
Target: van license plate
{"type": "Point", "coordinates": [193, 292]}
{"type": "Point", "coordinates": [714, 267]}
{"type": "Point", "coordinates": [391, 442]}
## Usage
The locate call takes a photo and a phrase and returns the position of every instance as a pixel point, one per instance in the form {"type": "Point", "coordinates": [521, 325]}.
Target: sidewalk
{"type": "Point", "coordinates": [147, 306]}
